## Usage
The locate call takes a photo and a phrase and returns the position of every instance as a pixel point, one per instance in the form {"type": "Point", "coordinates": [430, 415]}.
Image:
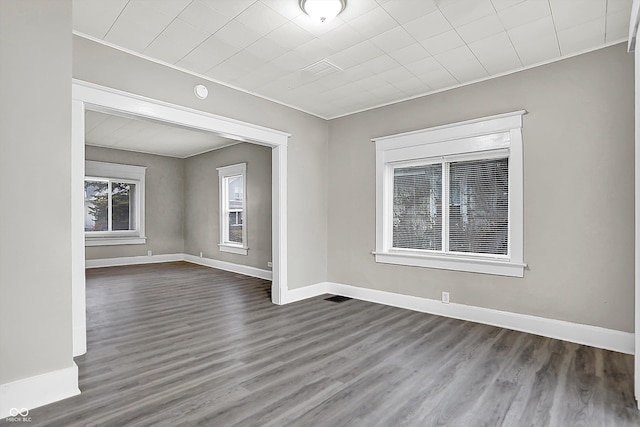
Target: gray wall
{"type": "Point", "coordinates": [307, 151]}
{"type": "Point", "coordinates": [35, 186]}
{"type": "Point", "coordinates": [202, 208]}
{"type": "Point", "coordinates": [164, 203]}
{"type": "Point", "coordinates": [578, 195]}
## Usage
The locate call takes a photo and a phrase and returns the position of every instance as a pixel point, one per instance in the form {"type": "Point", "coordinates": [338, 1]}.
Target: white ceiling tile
{"type": "Point", "coordinates": [266, 49]}
{"type": "Point", "coordinates": [405, 11]}
{"type": "Point", "coordinates": [176, 41]}
{"type": "Point", "coordinates": [427, 26]}
{"type": "Point", "coordinates": [412, 86]}
{"type": "Point", "coordinates": [355, 55]}
{"type": "Point", "coordinates": [535, 42]}
{"type": "Point", "coordinates": [261, 19]}
{"type": "Point", "coordinates": [393, 40]}
{"type": "Point", "coordinates": [442, 42]}
{"type": "Point", "coordinates": [290, 36]}
{"type": "Point", "coordinates": [95, 17]}
{"type": "Point", "coordinates": [380, 64]}
{"type": "Point", "coordinates": [371, 82]}
{"type": "Point", "coordinates": [617, 25]}
{"type": "Point", "coordinates": [397, 74]}
{"type": "Point", "coordinates": [314, 50]}
{"type": "Point", "coordinates": [374, 22]}
{"type": "Point", "coordinates": [567, 15]}
{"type": "Point", "coordinates": [462, 64]}
{"type": "Point", "coordinates": [167, 7]}
{"type": "Point", "coordinates": [260, 76]}
{"type": "Point", "coordinates": [409, 54]}
{"type": "Point", "coordinates": [203, 17]}
{"type": "Point", "coordinates": [128, 33]}
{"type": "Point", "coordinates": [581, 37]}
{"type": "Point", "coordinates": [483, 27]}
{"type": "Point", "coordinates": [439, 79]}
{"type": "Point", "coordinates": [228, 7]}
{"type": "Point", "coordinates": [423, 66]}
{"type": "Point", "coordinates": [210, 53]}
{"type": "Point", "coordinates": [524, 12]}
{"type": "Point", "coordinates": [619, 6]}
{"type": "Point", "coordinates": [504, 4]}
{"type": "Point", "coordinates": [226, 72]}
{"type": "Point", "coordinates": [291, 61]}
{"type": "Point", "coordinates": [287, 8]}
{"type": "Point", "coordinates": [342, 37]}
{"type": "Point", "coordinates": [357, 72]}
{"type": "Point", "coordinates": [357, 8]}
{"type": "Point", "coordinates": [237, 34]}
{"type": "Point", "coordinates": [462, 12]}
{"type": "Point", "coordinates": [496, 53]}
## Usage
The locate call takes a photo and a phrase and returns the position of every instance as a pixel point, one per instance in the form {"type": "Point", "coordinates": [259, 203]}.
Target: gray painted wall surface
{"type": "Point", "coordinates": [307, 150]}
{"type": "Point", "coordinates": [202, 208]}
{"type": "Point", "coordinates": [578, 195]}
{"type": "Point", "coordinates": [164, 203]}
{"type": "Point", "coordinates": [35, 178]}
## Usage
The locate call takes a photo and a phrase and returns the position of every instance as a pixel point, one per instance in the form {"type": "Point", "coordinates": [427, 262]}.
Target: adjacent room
{"type": "Point", "coordinates": [319, 212]}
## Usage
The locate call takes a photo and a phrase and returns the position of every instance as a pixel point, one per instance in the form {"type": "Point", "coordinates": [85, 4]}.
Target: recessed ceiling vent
{"type": "Point", "coordinates": [321, 68]}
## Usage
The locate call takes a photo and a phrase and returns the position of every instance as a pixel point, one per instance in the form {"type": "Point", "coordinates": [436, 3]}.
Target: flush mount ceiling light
{"type": "Point", "coordinates": [322, 10]}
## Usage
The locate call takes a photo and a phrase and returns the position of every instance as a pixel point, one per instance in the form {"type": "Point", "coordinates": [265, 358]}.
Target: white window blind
{"type": "Point", "coordinates": [479, 207]}
{"type": "Point", "coordinates": [417, 207]}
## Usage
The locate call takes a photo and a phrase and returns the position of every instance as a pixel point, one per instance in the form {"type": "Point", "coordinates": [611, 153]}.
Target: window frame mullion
{"type": "Point", "coordinates": [445, 207]}
{"type": "Point", "coordinates": [109, 207]}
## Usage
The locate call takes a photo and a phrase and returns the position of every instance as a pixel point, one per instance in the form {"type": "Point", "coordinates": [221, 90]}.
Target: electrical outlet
{"type": "Point", "coordinates": [269, 264]}
{"type": "Point", "coordinates": [149, 253]}
{"type": "Point", "coordinates": [445, 297]}
{"type": "Point", "coordinates": [200, 254]}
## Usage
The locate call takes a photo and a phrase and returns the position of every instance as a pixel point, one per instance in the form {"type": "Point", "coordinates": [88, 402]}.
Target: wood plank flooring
{"type": "Point", "coordinates": [178, 344]}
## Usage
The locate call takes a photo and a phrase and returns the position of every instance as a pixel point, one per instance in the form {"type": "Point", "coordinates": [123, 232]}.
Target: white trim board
{"type": "Point", "coordinates": [33, 392]}
{"type": "Point", "coordinates": [594, 336]}
{"type": "Point", "coordinates": [207, 262]}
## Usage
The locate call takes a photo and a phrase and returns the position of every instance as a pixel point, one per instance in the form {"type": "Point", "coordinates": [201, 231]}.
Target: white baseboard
{"type": "Point", "coordinates": [609, 339]}
{"type": "Point", "coordinates": [132, 260]}
{"type": "Point", "coordinates": [229, 266]}
{"type": "Point", "coordinates": [33, 392]}
{"type": "Point", "coordinates": [207, 262]}
{"type": "Point", "coordinates": [298, 294]}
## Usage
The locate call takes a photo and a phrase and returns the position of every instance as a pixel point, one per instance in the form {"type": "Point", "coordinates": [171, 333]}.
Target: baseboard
{"type": "Point", "coordinates": [207, 262]}
{"type": "Point", "coordinates": [132, 260]}
{"type": "Point", "coordinates": [33, 392]}
{"type": "Point", "coordinates": [229, 266]}
{"type": "Point", "coordinates": [609, 339]}
{"type": "Point", "coordinates": [298, 294]}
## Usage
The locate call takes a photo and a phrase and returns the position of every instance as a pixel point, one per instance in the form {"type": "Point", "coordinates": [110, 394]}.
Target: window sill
{"type": "Point", "coordinates": [113, 241]}
{"type": "Point", "coordinates": [240, 250]}
{"type": "Point", "coordinates": [472, 265]}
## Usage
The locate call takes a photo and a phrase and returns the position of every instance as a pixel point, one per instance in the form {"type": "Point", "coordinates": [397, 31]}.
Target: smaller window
{"type": "Point", "coordinates": [113, 204]}
{"type": "Point", "coordinates": [233, 227]}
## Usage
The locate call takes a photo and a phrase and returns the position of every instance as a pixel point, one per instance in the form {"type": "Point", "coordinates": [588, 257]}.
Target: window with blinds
{"type": "Point", "coordinates": [476, 194]}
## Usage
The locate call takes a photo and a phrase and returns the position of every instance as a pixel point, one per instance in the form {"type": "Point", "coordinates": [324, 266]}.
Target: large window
{"type": "Point", "coordinates": [113, 204]}
{"type": "Point", "coordinates": [451, 197]}
{"type": "Point", "coordinates": [233, 227]}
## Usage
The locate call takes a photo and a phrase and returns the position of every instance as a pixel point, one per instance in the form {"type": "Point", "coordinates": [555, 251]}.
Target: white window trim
{"type": "Point", "coordinates": [464, 140]}
{"type": "Point", "coordinates": [225, 172]}
{"type": "Point", "coordinates": [128, 173]}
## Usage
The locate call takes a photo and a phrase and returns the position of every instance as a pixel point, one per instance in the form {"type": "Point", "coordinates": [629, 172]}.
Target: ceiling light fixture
{"type": "Point", "coordinates": [322, 10]}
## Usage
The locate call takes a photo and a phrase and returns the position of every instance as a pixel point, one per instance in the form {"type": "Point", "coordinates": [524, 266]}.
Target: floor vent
{"type": "Point", "coordinates": [337, 298]}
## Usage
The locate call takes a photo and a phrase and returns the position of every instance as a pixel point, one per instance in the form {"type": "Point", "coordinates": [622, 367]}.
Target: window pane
{"type": "Point", "coordinates": [96, 208]}
{"type": "Point", "coordinates": [479, 207]}
{"type": "Point", "coordinates": [417, 207]}
{"type": "Point", "coordinates": [235, 227]}
{"type": "Point", "coordinates": [122, 209]}
{"type": "Point", "coordinates": [235, 191]}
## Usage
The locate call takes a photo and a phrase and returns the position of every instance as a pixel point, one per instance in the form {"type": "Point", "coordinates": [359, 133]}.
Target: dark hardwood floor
{"type": "Point", "coordinates": [179, 344]}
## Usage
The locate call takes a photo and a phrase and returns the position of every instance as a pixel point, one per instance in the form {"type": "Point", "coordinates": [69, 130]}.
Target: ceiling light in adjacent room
{"type": "Point", "coordinates": [322, 10]}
